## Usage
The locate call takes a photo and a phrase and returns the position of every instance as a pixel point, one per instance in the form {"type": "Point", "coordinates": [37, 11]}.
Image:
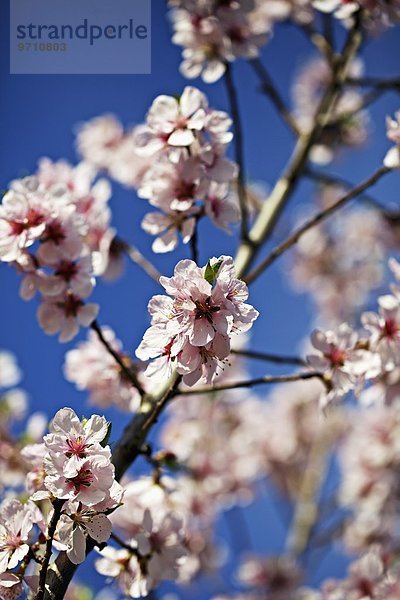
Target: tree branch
{"type": "Point", "coordinates": [339, 181]}
{"type": "Point", "coordinates": [287, 183]}
{"type": "Point", "coordinates": [273, 358]}
{"type": "Point", "coordinates": [316, 220]}
{"type": "Point", "coordinates": [239, 149]}
{"type": "Point", "coordinates": [128, 372]}
{"type": "Point", "coordinates": [269, 89]}
{"type": "Point", "coordinates": [267, 379]}
{"type": "Point", "coordinates": [137, 257]}
{"type": "Point", "coordinates": [57, 508]}
{"type": "Point", "coordinates": [375, 82]}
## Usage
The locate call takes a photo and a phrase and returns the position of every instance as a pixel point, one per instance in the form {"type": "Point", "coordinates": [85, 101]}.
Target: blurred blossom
{"type": "Point", "coordinates": [348, 123]}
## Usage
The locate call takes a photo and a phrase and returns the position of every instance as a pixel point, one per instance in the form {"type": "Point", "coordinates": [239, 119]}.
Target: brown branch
{"type": "Point", "coordinates": [273, 358]}
{"type": "Point", "coordinates": [375, 82]}
{"type": "Point", "coordinates": [57, 508]}
{"type": "Point", "coordinates": [128, 372]}
{"type": "Point", "coordinates": [269, 89]}
{"type": "Point", "coordinates": [137, 257]}
{"type": "Point", "coordinates": [316, 220]}
{"type": "Point", "coordinates": [239, 149]}
{"type": "Point", "coordinates": [287, 183]}
{"type": "Point", "coordinates": [339, 181]}
{"type": "Point", "coordinates": [267, 379]}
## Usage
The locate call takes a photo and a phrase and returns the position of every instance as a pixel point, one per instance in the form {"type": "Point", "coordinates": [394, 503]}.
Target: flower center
{"type": "Point", "coordinates": [205, 310]}
{"type": "Point", "coordinates": [84, 478]}
{"type": "Point", "coordinates": [336, 356]}
{"type": "Point", "coordinates": [77, 447]}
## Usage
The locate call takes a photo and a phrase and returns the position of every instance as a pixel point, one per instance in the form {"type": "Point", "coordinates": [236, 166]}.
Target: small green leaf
{"type": "Point", "coordinates": [107, 437]}
{"type": "Point", "coordinates": [211, 271]}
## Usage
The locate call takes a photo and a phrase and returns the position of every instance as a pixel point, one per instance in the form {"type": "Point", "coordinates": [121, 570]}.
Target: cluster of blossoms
{"type": "Point", "coordinates": [55, 230]}
{"type": "Point", "coordinates": [160, 543]}
{"type": "Point", "coordinates": [73, 467]}
{"type": "Point", "coordinates": [349, 360]}
{"type": "Point", "coordinates": [176, 161]}
{"type": "Point", "coordinates": [214, 33]}
{"type": "Point", "coordinates": [219, 446]}
{"type": "Point", "coordinates": [191, 329]}
{"type": "Point", "coordinates": [342, 260]}
{"type": "Point", "coordinates": [378, 14]}
{"type": "Point", "coordinates": [370, 485]}
{"type": "Point", "coordinates": [91, 367]}
{"type": "Point", "coordinates": [275, 578]}
{"type": "Point", "coordinates": [348, 126]}
{"type": "Point", "coordinates": [373, 576]}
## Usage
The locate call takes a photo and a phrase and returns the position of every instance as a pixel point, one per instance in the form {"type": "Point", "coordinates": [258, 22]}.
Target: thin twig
{"type": "Point", "coordinates": [267, 379]}
{"type": "Point", "coordinates": [375, 82]}
{"type": "Point", "coordinates": [270, 89]}
{"type": "Point", "coordinates": [239, 149]}
{"type": "Point", "coordinates": [128, 372]}
{"type": "Point", "coordinates": [272, 358]}
{"type": "Point", "coordinates": [57, 508]}
{"type": "Point", "coordinates": [194, 245]}
{"type": "Point", "coordinates": [137, 257]}
{"type": "Point", "coordinates": [339, 181]}
{"type": "Point", "coordinates": [316, 220]}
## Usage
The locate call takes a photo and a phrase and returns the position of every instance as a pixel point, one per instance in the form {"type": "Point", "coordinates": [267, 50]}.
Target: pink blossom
{"type": "Point", "coordinates": [22, 222]}
{"type": "Point", "coordinates": [76, 440]}
{"type": "Point", "coordinates": [392, 158]}
{"type": "Point", "coordinates": [192, 329]}
{"type": "Point", "coordinates": [167, 227]}
{"type": "Point", "coordinates": [213, 35]}
{"type": "Point", "coordinates": [88, 483]}
{"type": "Point", "coordinates": [16, 521]}
{"type": "Point", "coordinates": [76, 524]}
{"type": "Point", "coordinates": [384, 330]}
{"type": "Point", "coordinates": [123, 566]}
{"type": "Point", "coordinates": [341, 360]}
{"type": "Point", "coordinates": [64, 314]}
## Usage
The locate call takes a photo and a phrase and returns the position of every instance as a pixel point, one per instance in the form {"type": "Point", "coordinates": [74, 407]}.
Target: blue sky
{"type": "Point", "coordinates": [38, 117]}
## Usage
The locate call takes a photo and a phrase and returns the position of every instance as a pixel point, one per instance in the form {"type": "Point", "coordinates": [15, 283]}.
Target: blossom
{"type": "Point", "coordinates": [384, 330]}
{"type": "Point", "coordinates": [55, 229]}
{"type": "Point", "coordinates": [279, 575]}
{"type": "Point", "coordinates": [16, 521]}
{"type": "Point", "coordinates": [64, 314]}
{"type": "Point", "coordinates": [341, 360]}
{"type": "Point", "coordinates": [123, 566]}
{"type": "Point", "coordinates": [392, 158]}
{"type": "Point", "coordinates": [88, 483]}
{"type": "Point", "coordinates": [22, 222]}
{"type": "Point", "coordinates": [213, 35]}
{"type": "Point", "coordinates": [193, 327]}
{"type": "Point", "coordinates": [348, 125]}
{"type": "Point", "coordinates": [10, 374]}
{"type": "Point", "coordinates": [75, 525]}
{"type": "Point", "coordinates": [167, 227]}
{"type": "Point", "coordinates": [175, 122]}
{"type": "Point", "coordinates": [76, 440]}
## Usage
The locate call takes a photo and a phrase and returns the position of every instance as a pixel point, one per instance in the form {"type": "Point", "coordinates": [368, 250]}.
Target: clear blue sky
{"type": "Point", "coordinates": [38, 116]}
